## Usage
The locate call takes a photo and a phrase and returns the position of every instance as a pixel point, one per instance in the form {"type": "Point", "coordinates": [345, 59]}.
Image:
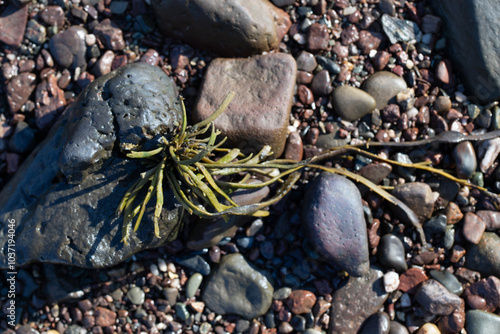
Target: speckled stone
{"type": "Point", "coordinates": [352, 103]}
{"type": "Point", "coordinates": [259, 113]}
{"type": "Point", "coordinates": [418, 196]}
{"type": "Point", "coordinates": [378, 323]}
{"type": "Point", "coordinates": [384, 86]}
{"type": "Point", "coordinates": [334, 221]}
{"type": "Point", "coordinates": [13, 24]}
{"type": "Point", "coordinates": [436, 299]}
{"type": "Point", "coordinates": [354, 302]}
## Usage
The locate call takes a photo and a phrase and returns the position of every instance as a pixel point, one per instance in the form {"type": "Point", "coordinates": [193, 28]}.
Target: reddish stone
{"type": "Point", "coordinates": [349, 35]}
{"type": "Point", "coordinates": [294, 147]}
{"type": "Point", "coordinates": [318, 37]}
{"type": "Point", "coordinates": [369, 41]}
{"type": "Point", "coordinates": [104, 317]}
{"type": "Point", "coordinates": [489, 290]}
{"type": "Point", "coordinates": [490, 218]}
{"type": "Point", "coordinates": [151, 57]}
{"type": "Point", "coordinates": [50, 101]}
{"type": "Point", "coordinates": [301, 301]}
{"type": "Point", "coordinates": [374, 234]}
{"type": "Point", "coordinates": [410, 279]}
{"type": "Point", "coordinates": [473, 228]}
{"type": "Point", "coordinates": [453, 213]}
{"type": "Point", "coordinates": [305, 95]}
{"type": "Point", "coordinates": [457, 253]}
{"type": "Point", "coordinates": [304, 77]}
{"type": "Point", "coordinates": [19, 90]}
{"type": "Point", "coordinates": [340, 50]}
{"type": "Point", "coordinates": [453, 323]}
{"type": "Point", "coordinates": [84, 79]}
{"type": "Point", "coordinates": [119, 61]}
{"type": "Point", "coordinates": [109, 35]}
{"type": "Point", "coordinates": [53, 16]}
{"type": "Point", "coordinates": [381, 60]}
{"type": "Point", "coordinates": [103, 65]}
{"type": "Point", "coordinates": [12, 25]}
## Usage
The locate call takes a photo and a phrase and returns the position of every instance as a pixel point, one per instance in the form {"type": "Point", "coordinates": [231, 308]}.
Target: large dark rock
{"type": "Point", "coordinates": [333, 218]}
{"type": "Point", "coordinates": [471, 28]}
{"type": "Point", "coordinates": [228, 28]}
{"type": "Point", "coordinates": [64, 197]}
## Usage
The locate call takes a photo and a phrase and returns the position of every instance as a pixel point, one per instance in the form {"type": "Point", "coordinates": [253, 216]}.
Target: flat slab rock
{"type": "Point", "coordinates": [259, 113]}
{"type": "Point", "coordinates": [356, 301]}
{"type": "Point", "coordinates": [64, 197]}
{"type": "Point", "coordinates": [229, 28]}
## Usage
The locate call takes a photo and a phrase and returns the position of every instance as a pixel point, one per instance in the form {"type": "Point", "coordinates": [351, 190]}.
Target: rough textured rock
{"type": "Point", "coordinates": [237, 288]}
{"type": "Point", "coordinates": [418, 196]}
{"type": "Point", "coordinates": [228, 28]}
{"type": "Point", "coordinates": [64, 197]}
{"type": "Point", "coordinates": [384, 86]}
{"type": "Point", "coordinates": [334, 221]}
{"type": "Point", "coordinates": [259, 113]}
{"type": "Point", "coordinates": [12, 24]}
{"type": "Point", "coordinates": [19, 90]}
{"type": "Point", "coordinates": [485, 256]}
{"type": "Point", "coordinates": [351, 103]}
{"type": "Point", "coordinates": [49, 101]}
{"type": "Point", "coordinates": [354, 302]}
{"type": "Point", "coordinates": [471, 28]}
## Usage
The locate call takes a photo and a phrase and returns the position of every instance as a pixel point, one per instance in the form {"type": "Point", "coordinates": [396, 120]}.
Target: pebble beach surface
{"type": "Point", "coordinates": [332, 257]}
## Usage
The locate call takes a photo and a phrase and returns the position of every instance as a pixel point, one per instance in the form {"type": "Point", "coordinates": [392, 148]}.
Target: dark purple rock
{"type": "Point", "coordinates": [333, 217]}
{"type": "Point", "coordinates": [68, 47]}
{"type": "Point", "coordinates": [436, 299]}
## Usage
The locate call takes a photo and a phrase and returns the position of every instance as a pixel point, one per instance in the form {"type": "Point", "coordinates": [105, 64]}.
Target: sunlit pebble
{"type": "Point", "coordinates": [299, 38]}
{"type": "Point", "coordinates": [460, 97]}
{"type": "Point", "coordinates": [409, 64]}
{"type": "Point", "coordinates": [291, 129]}
{"type": "Point", "coordinates": [162, 265]}
{"type": "Point", "coordinates": [90, 39]}
{"type": "Point", "coordinates": [391, 281]}
{"type": "Point", "coordinates": [154, 269]}
{"type": "Point", "coordinates": [11, 57]}
{"type": "Point", "coordinates": [161, 326]}
{"type": "Point", "coordinates": [176, 283]}
{"type": "Point", "coordinates": [373, 53]}
{"type": "Point", "coordinates": [171, 267]}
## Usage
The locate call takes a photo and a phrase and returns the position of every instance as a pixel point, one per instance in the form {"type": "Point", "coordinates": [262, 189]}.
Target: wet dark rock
{"type": "Point", "coordinates": [379, 323]}
{"type": "Point", "coordinates": [64, 198]}
{"type": "Point", "coordinates": [237, 287]}
{"type": "Point", "coordinates": [355, 301]}
{"type": "Point", "coordinates": [470, 28]}
{"type": "Point", "coordinates": [23, 140]}
{"type": "Point", "coordinates": [35, 32]}
{"type": "Point", "coordinates": [321, 84]}
{"type": "Point", "coordinates": [485, 256]}
{"type": "Point", "coordinates": [335, 223]}
{"type": "Point", "coordinates": [211, 25]}
{"type": "Point", "coordinates": [259, 113]}
{"type": "Point", "coordinates": [196, 263]}
{"type": "Point", "coordinates": [12, 24]}
{"type": "Point", "coordinates": [391, 253]}
{"type": "Point", "coordinates": [465, 159]}
{"type": "Point", "coordinates": [436, 299]}
{"type": "Point", "coordinates": [384, 86]}
{"type": "Point", "coordinates": [352, 103]}
{"type": "Point", "coordinates": [68, 47]}
{"type": "Point", "coordinates": [480, 322]}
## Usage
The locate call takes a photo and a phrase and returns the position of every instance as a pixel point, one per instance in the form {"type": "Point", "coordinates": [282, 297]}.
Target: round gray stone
{"type": "Point", "coordinates": [480, 322]}
{"type": "Point", "coordinates": [352, 103]}
{"type": "Point", "coordinates": [236, 287]}
{"type": "Point", "coordinates": [193, 284]}
{"type": "Point", "coordinates": [384, 86]}
{"type": "Point", "coordinates": [136, 295]}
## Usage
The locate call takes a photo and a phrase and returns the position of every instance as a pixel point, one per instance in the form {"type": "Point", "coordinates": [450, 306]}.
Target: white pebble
{"type": "Point", "coordinates": [162, 265]}
{"type": "Point", "coordinates": [373, 53]}
{"type": "Point", "coordinates": [391, 281]}
{"type": "Point", "coordinates": [300, 38]}
{"type": "Point", "coordinates": [171, 267]}
{"type": "Point", "coordinates": [154, 269]}
{"type": "Point", "coordinates": [90, 39]}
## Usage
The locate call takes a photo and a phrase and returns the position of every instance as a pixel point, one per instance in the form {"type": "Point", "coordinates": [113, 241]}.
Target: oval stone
{"type": "Point", "coordinates": [352, 103]}
{"type": "Point", "coordinates": [384, 86]}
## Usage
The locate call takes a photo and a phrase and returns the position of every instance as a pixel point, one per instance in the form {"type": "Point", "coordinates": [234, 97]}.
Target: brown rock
{"type": "Point", "coordinates": [340, 50]}
{"type": "Point", "coordinates": [53, 16]}
{"type": "Point", "coordinates": [304, 77]}
{"type": "Point", "coordinates": [410, 279]}
{"type": "Point", "coordinates": [50, 101]}
{"type": "Point", "coordinates": [453, 323]}
{"type": "Point", "coordinates": [369, 41]}
{"type": "Point", "coordinates": [349, 35]}
{"type": "Point", "coordinates": [473, 228]}
{"type": "Point", "coordinates": [12, 25]}
{"type": "Point", "coordinates": [442, 104]}
{"type": "Point", "coordinates": [305, 95]}
{"type": "Point", "coordinates": [301, 301]}
{"type": "Point", "coordinates": [443, 71]}
{"type": "Point", "coordinates": [381, 60]}
{"type": "Point", "coordinates": [418, 196]}
{"type": "Point", "coordinates": [317, 37]}
{"type": "Point", "coordinates": [453, 213]}
{"type": "Point", "coordinates": [103, 65]}
{"type": "Point", "coordinates": [109, 35]}
{"type": "Point", "coordinates": [294, 147]}
{"type": "Point", "coordinates": [151, 57]}
{"type": "Point", "coordinates": [104, 317]}
{"type": "Point", "coordinates": [19, 90]}
{"type": "Point", "coordinates": [490, 218]}
{"type": "Point", "coordinates": [489, 290]}
{"type": "Point", "coordinates": [259, 113]}
{"type": "Point", "coordinates": [375, 172]}
{"type": "Point", "coordinates": [374, 234]}
{"type": "Point", "coordinates": [436, 299]}
{"type": "Point", "coordinates": [212, 24]}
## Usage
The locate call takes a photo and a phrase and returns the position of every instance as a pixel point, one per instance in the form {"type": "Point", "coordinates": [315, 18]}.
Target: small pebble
{"type": "Point", "coordinates": [391, 281]}
{"type": "Point", "coordinates": [193, 284]}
